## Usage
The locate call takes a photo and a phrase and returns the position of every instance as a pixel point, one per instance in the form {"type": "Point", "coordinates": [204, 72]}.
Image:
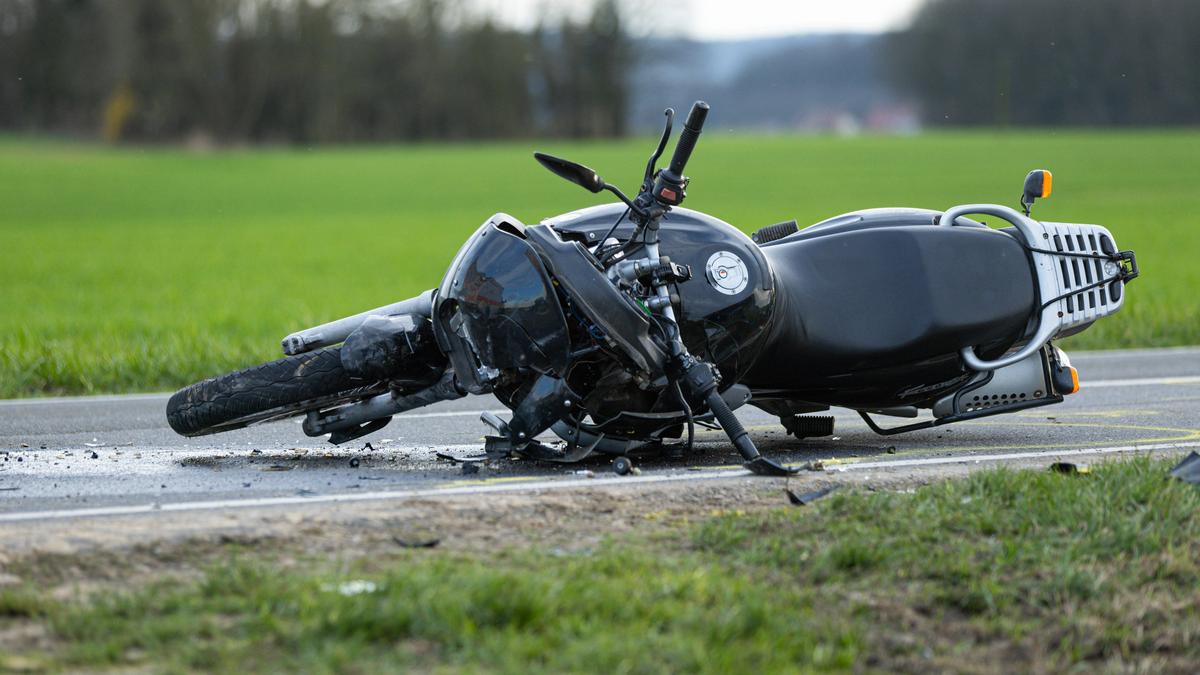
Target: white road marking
{"type": "Point", "coordinates": [561, 484]}
{"type": "Point", "coordinates": [131, 398]}
{"type": "Point", "coordinates": [1140, 382]}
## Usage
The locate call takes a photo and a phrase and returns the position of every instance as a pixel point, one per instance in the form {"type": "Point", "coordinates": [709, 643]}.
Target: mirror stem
{"type": "Point", "coordinates": [621, 195]}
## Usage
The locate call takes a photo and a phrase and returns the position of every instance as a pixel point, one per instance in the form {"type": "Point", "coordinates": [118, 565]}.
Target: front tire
{"type": "Point", "coordinates": [285, 388]}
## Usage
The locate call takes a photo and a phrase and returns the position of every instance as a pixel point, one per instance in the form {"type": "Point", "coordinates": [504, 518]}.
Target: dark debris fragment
{"type": "Point", "coordinates": [1188, 470]}
{"type": "Point", "coordinates": [1069, 468]}
{"type": "Point", "coordinates": [417, 543]}
{"type": "Point", "coordinates": [808, 497]}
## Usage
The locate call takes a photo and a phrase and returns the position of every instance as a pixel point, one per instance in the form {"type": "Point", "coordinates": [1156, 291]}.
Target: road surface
{"type": "Point", "coordinates": [85, 457]}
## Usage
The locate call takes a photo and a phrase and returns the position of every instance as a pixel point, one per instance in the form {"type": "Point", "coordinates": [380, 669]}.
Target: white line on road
{"type": "Point", "coordinates": [1140, 382]}
{"type": "Point", "coordinates": [561, 484]}
{"type": "Point", "coordinates": [129, 398]}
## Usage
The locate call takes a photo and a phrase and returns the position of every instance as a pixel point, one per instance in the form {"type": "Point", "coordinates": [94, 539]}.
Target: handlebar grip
{"type": "Point", "coordinates": [688, 138]}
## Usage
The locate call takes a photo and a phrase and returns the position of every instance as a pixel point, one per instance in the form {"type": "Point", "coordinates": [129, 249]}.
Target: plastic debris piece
{"type": "Point", "coordinates": [278, 467]}
{"type": "Point", "coordinates": [94, 455]}
{"type": "Point", "coordinates": [1070, 468]}
{"type": "Point", "coordinates": [1188, 470]}
{"type": "Point", "coordinates": [470, 468]}
{"type": "Point", "coordinates": [891, 450]}
{"type": "Point", "coordinates": [356, 587]}
{"type": "Point", "coordinates": [808, 497]}
{"type": "Point", "coordinates": [95, 445]}
{"type": "Point", "coordinates": [9, 488]}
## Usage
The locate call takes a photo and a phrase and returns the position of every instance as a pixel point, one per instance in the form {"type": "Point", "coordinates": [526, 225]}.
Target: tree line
{"type": "Point", "coordinates": [309, 71]}
{"type": "Point", "coordinates": [304, 72]}
{"type": "Point", "coordinates": [1052, 62]}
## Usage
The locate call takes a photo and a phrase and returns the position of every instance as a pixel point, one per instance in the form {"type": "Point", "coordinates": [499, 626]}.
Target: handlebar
{"type": "Point", "coordinates": [688, 137]}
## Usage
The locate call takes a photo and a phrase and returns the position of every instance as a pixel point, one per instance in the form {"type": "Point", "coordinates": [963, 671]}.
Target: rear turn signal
{"type": "Point", "coordinates": [1066, 379]}
{"type": "Point", "coordinates": [1038, 185]}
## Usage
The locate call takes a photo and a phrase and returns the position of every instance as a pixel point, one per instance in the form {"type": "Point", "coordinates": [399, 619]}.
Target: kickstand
{"type": "Point", "coordinates": [762, 466]}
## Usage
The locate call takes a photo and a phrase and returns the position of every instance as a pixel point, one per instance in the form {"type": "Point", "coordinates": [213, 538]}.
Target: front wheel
{"type": "Point", "coordinates": [285, 388]}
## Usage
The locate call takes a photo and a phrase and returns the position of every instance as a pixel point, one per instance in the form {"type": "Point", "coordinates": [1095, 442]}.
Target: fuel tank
{"type": "Point", "coordinates": [726, 311]}
{"type": "Point", "coordinates": [867, 309]}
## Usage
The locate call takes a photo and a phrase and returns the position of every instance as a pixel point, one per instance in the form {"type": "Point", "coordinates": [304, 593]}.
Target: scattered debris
{"type": "Point", "coordinates": [1069, 468]}
{"type": "Point", "coordinates": [456, 459]}
{"type": "Point", "coordinates": [1188, 470]}
{"type": "Point", "coordinates": [256, 451]}
{"type": "Point", "coordinates": [302, 492]}
{"type": "Point", "coordinates": [95, 445]}
{"type": "Point", "coordinates": [95, 455]}
{"type": "Point", "coordinates": [278, 467]}
{"type": "Point", "coordinates": [808, 497]}
{"type": "Point", "coordinates": [815, 465]}
{"type": "Point", "coordinates": [586, 473]}
{"type": "Point", "coordinates": [622, 466]}
{"type": "Point", "coordinates": [368, 446]}
{"type": "Point", "coordinates": [429, 542]}
{"type": "Point", "coordinates": [24, 445]}
{"type": "Point", "coordinates": [8, 488]}
{"type": "Point", "coordinates": [370, 477]}
{"type": "Point", "coordinates": [245, 485]}
{"type": "Point", "coordinates": [470, 468]}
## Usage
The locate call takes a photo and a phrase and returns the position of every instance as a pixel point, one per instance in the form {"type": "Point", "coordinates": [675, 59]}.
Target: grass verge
{"type": "Point", "coordinates": [149, 268]}
{"type": "Point", "coordinates": [1003, 571]}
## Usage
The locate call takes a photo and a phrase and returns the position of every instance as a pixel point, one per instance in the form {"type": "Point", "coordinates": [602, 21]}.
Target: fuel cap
{"type": "Point", "coordinates": [727, 273]}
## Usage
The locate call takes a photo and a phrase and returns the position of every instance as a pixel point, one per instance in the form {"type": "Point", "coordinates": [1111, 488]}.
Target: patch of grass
{"type": "Point", "coordinates": [146, 269]}
{"type": "Point", "coordinates": [1003, 571]}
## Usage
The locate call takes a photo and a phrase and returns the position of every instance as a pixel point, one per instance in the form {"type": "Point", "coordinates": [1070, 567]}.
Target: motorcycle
{"type": "Point", "coordinates": [620, 327]}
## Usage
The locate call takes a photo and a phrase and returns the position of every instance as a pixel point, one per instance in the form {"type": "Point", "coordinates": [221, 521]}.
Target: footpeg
{"type": "Point", "coordinates": [808, 426]}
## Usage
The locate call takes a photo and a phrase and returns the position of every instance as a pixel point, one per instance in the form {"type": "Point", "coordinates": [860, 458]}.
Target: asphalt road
{"type": "Point", "coordinates": [115, 454]}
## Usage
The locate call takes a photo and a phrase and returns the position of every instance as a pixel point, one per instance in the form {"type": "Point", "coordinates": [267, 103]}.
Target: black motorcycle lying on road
{"type": "Point", "coordinates": [620, 327]}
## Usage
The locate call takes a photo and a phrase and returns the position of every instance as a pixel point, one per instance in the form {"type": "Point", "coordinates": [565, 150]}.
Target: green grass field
{"type": "Point", "coordinates": [1006, 571]}
{"type": "Point", "coordinates": [145, 269]}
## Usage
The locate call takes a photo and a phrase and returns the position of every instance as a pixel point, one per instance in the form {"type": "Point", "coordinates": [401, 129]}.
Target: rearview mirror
{"type": "Point", "coordinates": [576, 173]}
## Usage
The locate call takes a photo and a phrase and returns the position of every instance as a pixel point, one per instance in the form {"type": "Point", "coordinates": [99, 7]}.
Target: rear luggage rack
{"type": "Point", "coordinates": [1081, 276]}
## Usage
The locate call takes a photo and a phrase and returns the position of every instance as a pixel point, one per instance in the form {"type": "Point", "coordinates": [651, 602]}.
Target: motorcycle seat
{"type": "Point", "coordinates": [858, 295]}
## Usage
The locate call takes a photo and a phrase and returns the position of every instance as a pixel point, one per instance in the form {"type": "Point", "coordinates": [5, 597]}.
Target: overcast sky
{"type": "Point", "coordinates": [730, 19]}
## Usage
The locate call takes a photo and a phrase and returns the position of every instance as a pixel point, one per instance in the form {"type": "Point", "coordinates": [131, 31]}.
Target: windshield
{"type": "Point", "coordinates": [508, 314]}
